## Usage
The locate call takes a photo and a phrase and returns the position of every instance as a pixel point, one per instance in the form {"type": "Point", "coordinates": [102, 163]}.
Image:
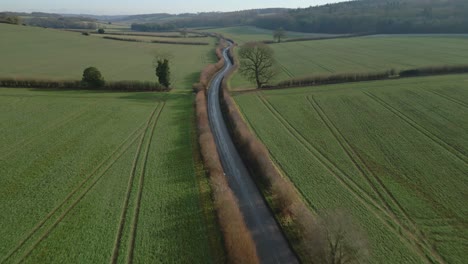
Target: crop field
{"type": "Point", "coordinates": [246, 34]}
{"type": "Point", "coordinates": [394, 154]}
{"type": "Point", "coordinates": [363, 54]}
{"type": "Point", "coordinates": [91, 177]}
{"type": "Point", "coordinates": [31, 52]}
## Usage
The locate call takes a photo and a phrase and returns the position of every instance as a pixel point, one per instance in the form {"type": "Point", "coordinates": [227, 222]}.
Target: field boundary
{"type": "Point", "coordinates": [391, 74]}
{"type": "Point", "coordinates": [51, 84]}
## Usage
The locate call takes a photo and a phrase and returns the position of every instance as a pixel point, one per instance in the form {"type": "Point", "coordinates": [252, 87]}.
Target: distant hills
{"type": "Point", "coordinates": [359, 16]}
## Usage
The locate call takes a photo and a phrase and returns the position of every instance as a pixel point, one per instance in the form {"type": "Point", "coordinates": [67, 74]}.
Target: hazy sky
{"type": "Point", "coordinates": [118, 7]}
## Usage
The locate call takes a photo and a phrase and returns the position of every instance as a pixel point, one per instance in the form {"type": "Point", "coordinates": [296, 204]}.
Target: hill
{"type": "Point", "coordinates": [376, 16]}
{"type": "Point", "coordinates": [360, 16]}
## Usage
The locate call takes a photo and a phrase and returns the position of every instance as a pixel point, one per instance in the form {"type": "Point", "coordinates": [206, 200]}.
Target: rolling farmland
{"type": "Point", "coordinates": [394, 154]}
{"type": "Point", "coordinates": [247, 33]}
{"type": "Point", "coordinates": [29, 52]}
{"type": "Point", "coordinates": [363, 54]}
{"type": "Point", "coordinates": [94, 177]}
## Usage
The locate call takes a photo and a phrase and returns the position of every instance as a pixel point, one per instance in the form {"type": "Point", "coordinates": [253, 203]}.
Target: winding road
{"type": "Point", "coordinates": [272, 246]}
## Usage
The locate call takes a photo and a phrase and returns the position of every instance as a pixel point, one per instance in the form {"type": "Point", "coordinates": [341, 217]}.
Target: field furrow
{"type": "Point", "coordinates": [45, 131]}
{"type": "Point", "coordinates": [72, 206]}
{"type": "Point", "coordinates": [449, 98]}
{"type": "Point", "coordinates": [383, 193]}
{"type": "Point", "coordinates": [379, 214]}
{"type": "Point", "coordinates": [397, 137]}
{"type": "Point", "coordinates": [112, 158]}
{"type": "Point", "coordinates": [349, 183]}
{"type": "Point", "coordinates": [421, 129]}
{"type": "Point", "coordinates": [134, 223]}
{"type": "Point", "coordinates": [125, 206]}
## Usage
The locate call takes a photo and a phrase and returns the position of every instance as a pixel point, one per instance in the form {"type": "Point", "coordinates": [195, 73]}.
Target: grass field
{"type": "Point", "coordinates": [82, 170]}
{"type": "Point", "coordinates": [94, 177]}
{"type": "Point", "coordinates": [392, 153]}
{"type": "Point", "coordinates": [247, 33]}
{"type": "Point", "coordinates": [46, 53]}
{"type": "Point", "coordinates": [364, 54]}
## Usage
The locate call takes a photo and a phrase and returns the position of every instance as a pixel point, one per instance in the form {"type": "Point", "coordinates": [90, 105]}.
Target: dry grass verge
{"type": "Point", "coordinates": [294, 216]}
{"type": "Point", "coordinates": [238, 241]}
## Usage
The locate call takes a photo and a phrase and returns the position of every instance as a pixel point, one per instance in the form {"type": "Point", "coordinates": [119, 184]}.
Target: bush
{"type": "Point", "coordinates": [85, 33]}
{"type": "Point", "coordinates": [101, 31]}
{"type": "Point", "coordinates": [130, 86]}
{"type": "Point", "coordinates": [92, 78]}
{"type": "Point", "coordinates": [434, 70]}
{"type": "Point", "coordinates": [238, 240]}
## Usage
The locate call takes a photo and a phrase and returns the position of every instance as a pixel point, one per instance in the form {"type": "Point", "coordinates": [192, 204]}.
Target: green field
{"type": "Point", "coordinates": [74, 164]}
{"type": "Point", "coordinates": [392, 153]}
{"type": "Point", "coordinates": [88, 177]}
{"type": "Point", "coordinates": [364, 54]}
{"type": "Point", "coordinates": [246, 34]}
{"type": "Point", "coordinates": [31, 52]}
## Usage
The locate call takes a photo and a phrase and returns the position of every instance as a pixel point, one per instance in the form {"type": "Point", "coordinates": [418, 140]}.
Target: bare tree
{"type": "Point", "coordinates": [184, 32]}
{"type": "Point", "coordinates": [257, 63]}
{"type": "Point", "coordinates": [279, 34]}
{"type": "Point", "coordinates": [333, 238]}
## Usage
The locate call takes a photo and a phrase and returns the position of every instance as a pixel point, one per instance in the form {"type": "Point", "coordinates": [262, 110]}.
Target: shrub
{"type": "Point", "coordinates": [101, 31]}
{"type": "Point", "coordinates": [238, 240]}
{"type": "Point", "coordinates": [123, 39]}
{"type": "Point", "coordinates": [163, 72]}
{"type": "Point", "coordinates": [434, 70]}
{"type": "Point", "coordinates": [92, 78]}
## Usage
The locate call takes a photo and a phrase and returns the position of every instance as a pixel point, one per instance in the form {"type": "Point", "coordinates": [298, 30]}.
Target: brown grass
{"type": "Point", "coordinates": [238, 241]}
{"type": "Point", "coordinates": [293, 213]}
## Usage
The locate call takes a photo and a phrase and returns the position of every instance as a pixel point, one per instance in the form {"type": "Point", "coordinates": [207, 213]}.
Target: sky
{"type": "Point", "coordinates": [128, 7]}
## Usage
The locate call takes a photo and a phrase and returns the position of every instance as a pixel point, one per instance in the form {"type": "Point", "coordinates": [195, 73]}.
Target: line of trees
{"type": "Point", "coordinates": [369, 76]}
{"type": "Point", "coordinates": [364, 16]}
{"type": "Point", "coordinates": [62, 22]}
{"type": "Point", "coordinates": [93, 80]}
{"type": "Point", "coordinates": [14, 20]}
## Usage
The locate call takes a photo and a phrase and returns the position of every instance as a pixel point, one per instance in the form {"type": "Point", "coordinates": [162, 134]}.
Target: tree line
{"type": "Point", "coordinates": [48, 20]}
{"type": "Point", "coordinates": [363, 16]}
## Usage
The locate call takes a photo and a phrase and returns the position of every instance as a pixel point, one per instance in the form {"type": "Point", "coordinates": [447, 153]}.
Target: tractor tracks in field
{"type": "Point", "coordinates": [97, 174]}
{"type": "Point", "coordinates": [130, 186]}
{"type": "Point", "coordinates": [383, 214]}
{"type": "Point", "coordinates": [446, 97]}
{"type": "Point", "coordinates": [419, 128]}
{"type": "Point", "coordinates": [383, 193]}
{"type": "Point", "coordinates": [40, 134]}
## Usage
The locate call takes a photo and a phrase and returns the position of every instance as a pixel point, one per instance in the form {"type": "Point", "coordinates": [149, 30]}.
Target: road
{"type": "Point", "coordinates": [272, 246]}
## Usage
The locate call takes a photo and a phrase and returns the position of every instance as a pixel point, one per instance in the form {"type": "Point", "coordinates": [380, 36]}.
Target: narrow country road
{"type": "Point", "coordinates": [272, 246]}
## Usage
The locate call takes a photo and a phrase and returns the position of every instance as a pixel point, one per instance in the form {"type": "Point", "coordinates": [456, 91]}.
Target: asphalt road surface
{"type": "Point", "coordinates": [272, 246]}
